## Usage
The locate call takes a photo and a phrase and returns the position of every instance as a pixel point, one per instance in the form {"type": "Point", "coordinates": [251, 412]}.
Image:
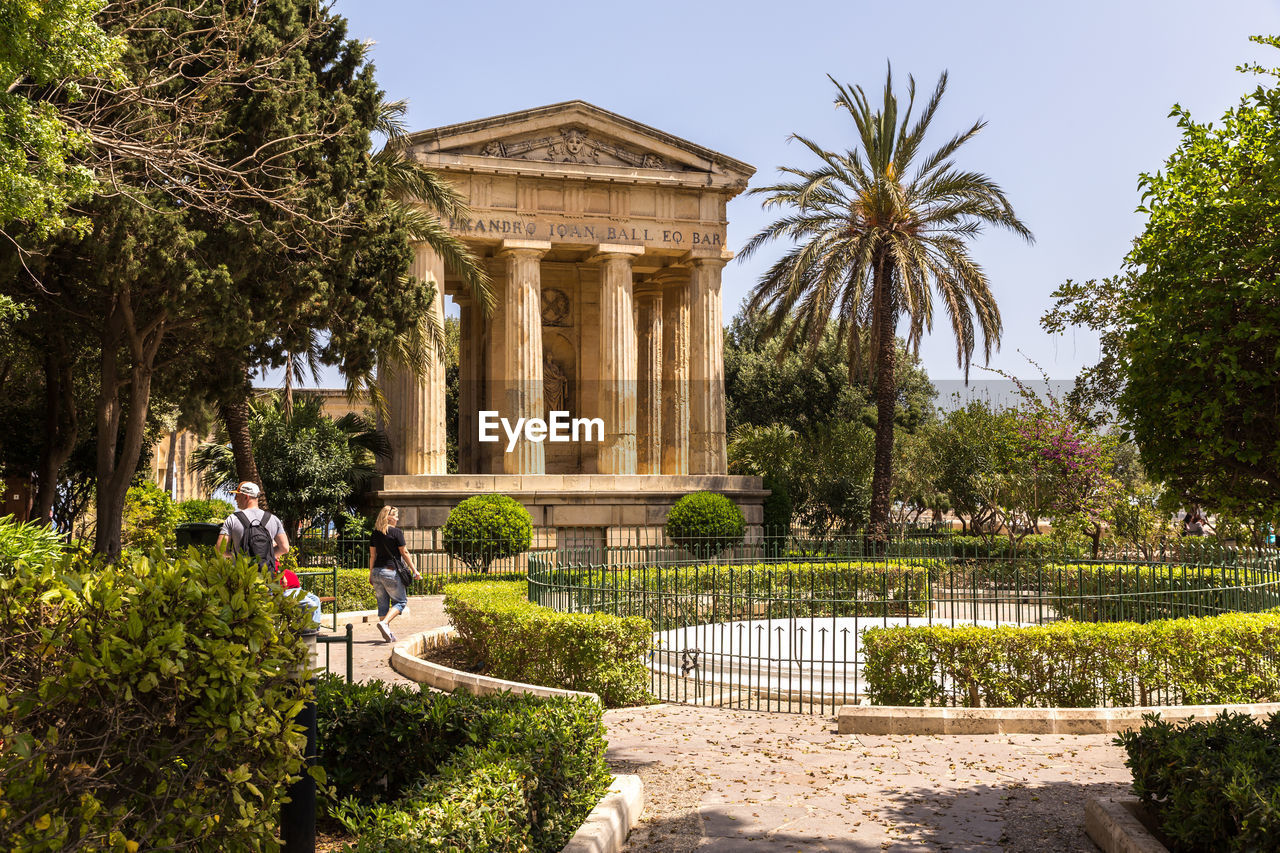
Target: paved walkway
{"type": "Point", "coordinates": [718, 780]}
{"type": "Point", "coordinates": [740, 782]}
{"type": "Point", "coordinates": [371, 655]}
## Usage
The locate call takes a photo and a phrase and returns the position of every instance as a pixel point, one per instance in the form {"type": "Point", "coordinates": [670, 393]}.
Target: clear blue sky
{"type": "Point", "coordinates": [1077, 97]}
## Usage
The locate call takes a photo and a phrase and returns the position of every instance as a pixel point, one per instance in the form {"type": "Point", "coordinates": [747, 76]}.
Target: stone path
{"type": "Point", "coordinates": [718, 780]}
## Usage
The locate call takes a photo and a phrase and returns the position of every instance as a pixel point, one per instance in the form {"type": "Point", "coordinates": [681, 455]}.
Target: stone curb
{"type": "Point", "coordinates": [898, 720]}
{"type": "Point", "coordinates": [1115, 828]}
{"type": "Point", "coordinates": [606, 829]}
{"type": "Point", "coordinates": [406, 661]}
{"type": "Point", "coordinates": [354, 617]}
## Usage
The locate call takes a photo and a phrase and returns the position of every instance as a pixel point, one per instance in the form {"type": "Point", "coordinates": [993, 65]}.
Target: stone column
{"type": "Point", "coordinates": [415, 394]}
{"type": "Point", "coordinates": [468, 392]}
{"type": "Point", "coordinates": [706, 370]}
{"type": "Point", "coordinates": [675, 376]}
{"type": "Point", "coordinates": [649, 377]}
{"type": "Point", "coordinates": [522, 349]}
{"type": "Point", "coordinates": [617, 453]}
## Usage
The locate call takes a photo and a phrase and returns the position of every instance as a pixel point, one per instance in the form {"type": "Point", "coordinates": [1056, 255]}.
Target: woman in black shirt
{"type": "Point", "coordinates": [385, 544]}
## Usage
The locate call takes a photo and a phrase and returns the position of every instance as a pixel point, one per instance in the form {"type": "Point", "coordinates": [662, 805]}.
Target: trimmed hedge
{"type": "Point", "coordinates": [520, 641]}
{"type": "Point", "coordinates": [146, 704]}
{"type": "Point", "coordinates": [689, 595]}
{"type": "Point", "coordinates": [1219, 659]}
{"type": "Point", "coordinates": [431, 771]}
{"type": "Point", "coordinates": [1142, 593]}
{"type": "Point", "coordinates": [1212, 785]}
{"type": "Point", "coordinates": [354, 592]}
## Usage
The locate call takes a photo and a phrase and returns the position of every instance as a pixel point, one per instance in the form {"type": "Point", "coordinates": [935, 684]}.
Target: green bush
{"type": "Point", "coordinates": [1219, 659]}
{"type": "Point", "coordinates": [520, 641]}
{"type": "Point", "coordinates": [705, 524]}
{"type": "Point", "coordinates": [486, 528]}
{"type": "Point", "coordinates": [201, 511]}
{"type": "Point", "coordinates": [149, 702]}
{"type": "Point", "coordinates": [472, 806]}
{"type": "Point", "coordinates": [1213, 785]}
{"type": "Point", "coordinates": [433, 756]}
{"type": "Point", "coordinates": [149, 518]}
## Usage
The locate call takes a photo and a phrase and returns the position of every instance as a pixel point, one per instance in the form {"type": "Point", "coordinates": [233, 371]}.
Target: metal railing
{"type": "Point", "coordinates": [341, 639]}
{"type": "Point", "coordinates": [776, 623]}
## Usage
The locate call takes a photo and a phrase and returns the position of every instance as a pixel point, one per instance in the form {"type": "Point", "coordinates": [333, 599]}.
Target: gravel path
{"type": "Point", "coordinates": [721, 781]}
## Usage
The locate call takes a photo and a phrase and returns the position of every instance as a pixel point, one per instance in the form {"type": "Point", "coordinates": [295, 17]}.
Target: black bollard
{"type": "Point", "coordinates": [298, 816]}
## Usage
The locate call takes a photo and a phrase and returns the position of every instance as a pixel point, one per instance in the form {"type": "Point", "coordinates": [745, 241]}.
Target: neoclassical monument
{"type": "Point", "coordinates": [605, 240]}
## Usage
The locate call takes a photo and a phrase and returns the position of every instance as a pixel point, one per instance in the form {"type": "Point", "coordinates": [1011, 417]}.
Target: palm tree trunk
{"type": "Point", "coordinates": [235, 416]}
{"type": "Point", "coordinates": [288, 388]}
{"type": "Point", "coordinates": [886, 399]}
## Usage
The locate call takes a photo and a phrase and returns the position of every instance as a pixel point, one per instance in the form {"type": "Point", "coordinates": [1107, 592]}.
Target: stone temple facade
{"type": "Point", "coordinates": [605, 242]}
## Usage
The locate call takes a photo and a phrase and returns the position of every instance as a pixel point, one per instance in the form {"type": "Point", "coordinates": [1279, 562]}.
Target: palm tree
{"type": "Point", "coordinates": [878, 231]}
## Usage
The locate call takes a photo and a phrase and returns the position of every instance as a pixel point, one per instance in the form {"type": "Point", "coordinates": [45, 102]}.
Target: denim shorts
{"type": "Point", "coordinates": [390, 591]}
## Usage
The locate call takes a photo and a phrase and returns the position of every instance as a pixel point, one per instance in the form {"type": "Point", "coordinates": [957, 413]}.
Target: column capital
{"type": "Point", "coordinates": [696, 257]}
{"type": "Point", "coordinates": [603, 251]}
{"type": "Point", "coordinates": [533, 247]}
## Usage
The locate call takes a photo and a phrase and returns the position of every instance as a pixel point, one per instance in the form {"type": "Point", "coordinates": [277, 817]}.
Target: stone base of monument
{"type": "Point", "coordinates": [613, 504]}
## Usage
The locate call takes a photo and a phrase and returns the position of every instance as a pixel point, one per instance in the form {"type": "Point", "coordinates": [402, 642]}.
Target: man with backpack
{"type": "Point", "coordinates": [252, 531]}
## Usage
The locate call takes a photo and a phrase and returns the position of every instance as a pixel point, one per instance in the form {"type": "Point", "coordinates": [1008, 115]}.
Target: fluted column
{"type": "Point", "coordinates": [706, 370]}
{"type": "Point", "coordinates": [675, 376]}
{"type": "Point", "coordinates": [468, 390]}
{"type": "Point", "coordinates": [415, 394]}
{"type": "Point", "coordinates": [649, 382]}
{"type": "Point", "coordinates": [617, 454]}
{"type": "Point", "coordinates": [522, 349]}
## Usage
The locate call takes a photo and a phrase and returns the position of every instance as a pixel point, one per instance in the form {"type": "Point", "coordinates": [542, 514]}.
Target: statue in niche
{"type": "Point", "coordinates": [555, 385]}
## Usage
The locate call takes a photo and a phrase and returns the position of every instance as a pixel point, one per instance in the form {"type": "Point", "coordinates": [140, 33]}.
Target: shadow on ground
{"type": "Point", "coordinates": [1014, 818]}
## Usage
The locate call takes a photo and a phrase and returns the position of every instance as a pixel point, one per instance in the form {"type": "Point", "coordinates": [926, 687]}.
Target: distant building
{"type": "Point", "coordinates": [185, 482]}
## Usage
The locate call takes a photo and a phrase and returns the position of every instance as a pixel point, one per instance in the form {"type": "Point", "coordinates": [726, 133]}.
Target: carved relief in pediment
{"type": "Point", "coordinates": [571, 145]}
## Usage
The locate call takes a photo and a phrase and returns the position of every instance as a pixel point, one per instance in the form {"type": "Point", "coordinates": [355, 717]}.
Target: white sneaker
{"type": "Point", "coordinates": [385, 630]}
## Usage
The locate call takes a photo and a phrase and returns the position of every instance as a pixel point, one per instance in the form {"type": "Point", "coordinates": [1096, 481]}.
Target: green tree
{"type": "Point", "coordinates": [879, 228]}
{"type": "Point", "coordinates": [170, 295]}
{"type": "Point", "coordinates": [41, 45]}
{"type": "Point", "coordinates": [825, 471]}
{"type": "Point", "coordinates": [1200, 315]}
{"type": "Point", "coordinates": [766, 383]}
{"type": "Point", "coordinates": [310, 465]}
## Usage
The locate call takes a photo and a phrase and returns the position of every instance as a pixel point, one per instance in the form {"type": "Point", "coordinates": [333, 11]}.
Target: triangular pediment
{"type": "Point", "coordinates": [576, 133]}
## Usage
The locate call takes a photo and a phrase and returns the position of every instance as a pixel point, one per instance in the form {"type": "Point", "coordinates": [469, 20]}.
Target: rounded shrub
{"type": "Point", "coordinates": [705, 524]}
{"type": "Point", "coordinates": [487, 528]}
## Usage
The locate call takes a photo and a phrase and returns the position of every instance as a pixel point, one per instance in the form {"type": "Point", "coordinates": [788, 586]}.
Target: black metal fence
{"type": "Point", "coordinates": [776, 623]}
